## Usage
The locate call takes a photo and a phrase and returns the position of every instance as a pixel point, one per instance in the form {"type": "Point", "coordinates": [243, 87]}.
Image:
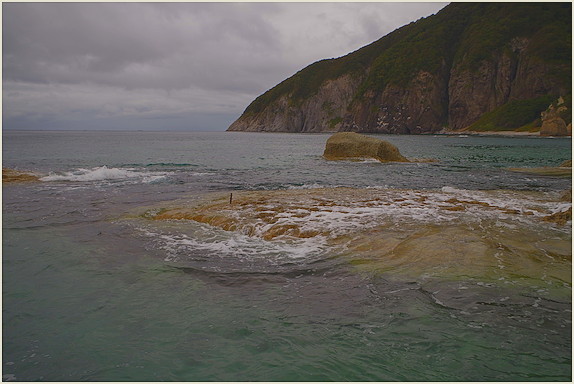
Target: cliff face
{"type": "Point", "coordinates": [514, 75]}
{"type": "Point", "coordinates": [418, 108]}
{"type": "Point", "coordinates": [447, 70]}
{"type": "Point", "coordinates": [322, 112]}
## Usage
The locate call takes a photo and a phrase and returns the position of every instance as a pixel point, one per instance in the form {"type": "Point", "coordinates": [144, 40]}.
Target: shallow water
{"type": "Point", "coordinates": [318, 270]}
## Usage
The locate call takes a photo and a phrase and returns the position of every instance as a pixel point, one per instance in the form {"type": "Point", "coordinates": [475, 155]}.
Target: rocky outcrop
{"type": "Point", "coordinates": [563, 170]}
{"type": "Point", "coordinates": [560, 218]}
{"type": "Point", "coordinates": [552, 122]}
{"type": "Point", "coordinates": [510, 75]}
{"type": "Point", "coordinates": [445, 71]}
{"type": "Point", "coordinates": [553, 127]}
{"type": "Point", "coordinates": [545, 171]}
{"type": "Point", "coordinates": [418, 108]}
{"type": "Point", "coordinates": [13, 176]}
{"type": "Point", "coordinates": [322, 112]}
{"type": "Point", "coordinates": [351, 145]}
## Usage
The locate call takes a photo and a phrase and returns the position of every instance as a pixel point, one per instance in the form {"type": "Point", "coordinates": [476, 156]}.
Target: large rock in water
{"type": "Point", "coordinates": [554, 127]}
{"type": "Point", "coordinates": [13, 176]}
{"type": "Point", "coordinates": [350, 145]}
{"type": "Point", "coordinates": [552, 122]}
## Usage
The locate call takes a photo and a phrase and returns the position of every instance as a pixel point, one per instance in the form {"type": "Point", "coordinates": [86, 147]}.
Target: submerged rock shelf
{"type": "Point", "coordinates": [14, 176]}
{"type": "Point", "coordinates": [447, 233]}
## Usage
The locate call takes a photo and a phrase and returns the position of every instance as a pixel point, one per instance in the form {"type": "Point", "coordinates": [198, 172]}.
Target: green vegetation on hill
{"type": "Point", "coordinates": [467, 33]}
{"type": "Point", "coordinates": [463, 35]}
{"type": "Point", "coordinates": [306, 82]}
{"type": "Point", "coordinates": [428, 44]}
{"type": "Point", "coordinates": [492, 26]}
{"type": "Point", "coordinates": [516, 114]}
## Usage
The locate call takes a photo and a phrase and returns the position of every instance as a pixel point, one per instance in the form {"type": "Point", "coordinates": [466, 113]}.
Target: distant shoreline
{"type": "Point", "coordinates": [439, 133]}
{"type": "Point", "coordinates": [496, 133]}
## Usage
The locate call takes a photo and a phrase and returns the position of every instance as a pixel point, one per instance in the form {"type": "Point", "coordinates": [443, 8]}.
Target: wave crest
{"type": "Point", "coordinates": [104, 173]}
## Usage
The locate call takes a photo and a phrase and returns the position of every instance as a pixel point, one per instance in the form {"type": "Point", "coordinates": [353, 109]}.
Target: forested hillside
{"type": "Point", "coordinates": [444, 71]}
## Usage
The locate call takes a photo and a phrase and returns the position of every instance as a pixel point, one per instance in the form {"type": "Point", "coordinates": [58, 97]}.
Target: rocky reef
{"type": "Point", "coordinates": [563, 170]}
{"type": "Point", "coordinates": [413, 232]}
{"type": "Point", "coordinates": [351, 145]}
{"type": "Point", "coordinates": [14, 176]}
{"type": "Point", "coordinates": [560, 218]}
{"type": "Point", "coordinates": [553, 120]}
{"type": "Point", "coordinates": [443, 72]}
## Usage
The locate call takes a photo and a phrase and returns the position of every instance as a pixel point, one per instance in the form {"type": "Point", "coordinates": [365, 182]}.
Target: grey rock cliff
{"type": "Point", "coordinates": [418, 108]}
{"type": "Point", "coordinates": [322, 112]}
{"type": "Point", "coordinates": [509, 76]}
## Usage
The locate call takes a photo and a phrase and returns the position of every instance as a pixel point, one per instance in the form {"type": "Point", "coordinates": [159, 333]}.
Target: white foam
{"type": "Point", "coordinates": [232, 244]}
{"type": "Point", "coordinates": [104, 173]}
{"type": "Point", "coordinates": [330, 216]}
{"type": "Point", "coordinates": [447, 189]}
{"type": "Point", "coordinates": [560, 207]}
{"type": "Point", "coordinates": [413, 207]}
{"type": "Point", "coordinates": [368, 160]}
{"type": "Point", "coordinates": [306, 186]}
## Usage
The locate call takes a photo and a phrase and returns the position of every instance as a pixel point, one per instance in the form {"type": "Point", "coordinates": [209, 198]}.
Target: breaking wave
{"type": "Point", "coordinates": [103, 174]}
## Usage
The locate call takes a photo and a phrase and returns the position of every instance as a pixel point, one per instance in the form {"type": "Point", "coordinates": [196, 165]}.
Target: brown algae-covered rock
{"type": "Point", "coordinates": [14, 176]}
{"type": "Point", "coordinates": [545, 171]}
{"type": "Point", "coordinates": [560, 218]}
{"type": "Point", "coordinates": [397, 232]}
{"type": "Point", "coordinates": [351, 145]}
{"type": "Point", "coordinates": [552, 122]}
{"type": "Point", "coordinates": [563, 170]}
{"type": "Point", "coordinates": [566, 196]}
{"type": "Point", "coordinates": [554, 127]}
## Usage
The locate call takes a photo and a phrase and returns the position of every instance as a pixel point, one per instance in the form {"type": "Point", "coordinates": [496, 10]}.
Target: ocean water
{"type": "Point", "coordinates": [128, 262]}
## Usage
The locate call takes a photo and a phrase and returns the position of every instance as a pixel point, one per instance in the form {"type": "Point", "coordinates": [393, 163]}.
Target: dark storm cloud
{"type": "Point", "coordinates": [102, 60]}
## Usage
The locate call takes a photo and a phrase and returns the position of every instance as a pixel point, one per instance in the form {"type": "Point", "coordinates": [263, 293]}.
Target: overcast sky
{"type": "Point", "coordinates": [177, 66]}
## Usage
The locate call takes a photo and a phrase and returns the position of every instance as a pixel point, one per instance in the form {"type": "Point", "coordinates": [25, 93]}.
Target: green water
{"type": "Point", "coordinates": [101, 320]}
{"type": "Point", "coordinates": [92, 294]}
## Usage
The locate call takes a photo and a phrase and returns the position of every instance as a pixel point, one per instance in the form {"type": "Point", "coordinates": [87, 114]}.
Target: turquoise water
{"type": "Point", "coordinates": [91, 291]}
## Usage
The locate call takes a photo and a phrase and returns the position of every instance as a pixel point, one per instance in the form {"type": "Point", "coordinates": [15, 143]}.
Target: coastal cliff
{"type": "Point", "coordinates": [443, 72]}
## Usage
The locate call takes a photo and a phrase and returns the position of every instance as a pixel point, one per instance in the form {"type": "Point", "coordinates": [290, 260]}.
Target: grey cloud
{"type": "Point", "coordinates": [114, 60]}
{"type": "Point", "coordinates": [130, 44]}
{"type": "Point", "coordinates": [65, 34]}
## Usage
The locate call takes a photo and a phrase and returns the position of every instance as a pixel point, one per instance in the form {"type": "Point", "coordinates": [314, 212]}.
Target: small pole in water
{"type": "Point", "coordinates": [230, 198]}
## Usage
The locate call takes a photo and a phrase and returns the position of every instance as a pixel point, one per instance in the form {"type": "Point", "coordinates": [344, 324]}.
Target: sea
{"type": "Point", "coordinates": [230, 256]}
